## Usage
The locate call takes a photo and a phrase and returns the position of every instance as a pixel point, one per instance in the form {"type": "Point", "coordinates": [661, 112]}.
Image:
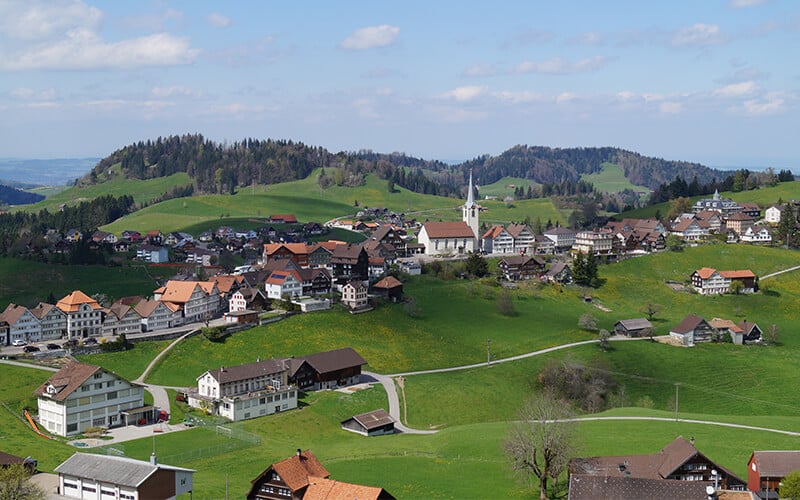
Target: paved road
{"type": "Point", "coordinates": [692, 421]}
{"type": "Point", "coordinates": [795, 268]}
{"type": "Point", "coordinates": [28, 365]}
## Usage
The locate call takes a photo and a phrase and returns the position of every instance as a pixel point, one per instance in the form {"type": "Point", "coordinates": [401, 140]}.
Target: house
{"type": "Point", "coordinates": [326, 370]}
{"type": "Point", "coordinates": [596, 242]}
{"type": "Point", "coordinates": [691, 330]}
{"type": "Point", "coordinates": [717, 203]}
{"type": "Point", "coordinates": [247, 298]}
{"type": "Point", "coordinates": [524, 239]}
{"type": "Point", "coordinates": [158, 315]}
{"type": "Point", "coordinates": [724, 326]}
{"type": "Point", "coordinates": [200, 256]}
{"type": "Point", "coordinates": [373, 423]}
{"type": "Point", "coordinates": [751, 209]}
{"type": "Point", "coordinates": [283, 219]}
{"type": "Point", "coordinates": [594, 487]}
{"type": "Point", "coordinates": [354, 295]}
{"type": "Point", "coordinates": [349, 262]}
{"type": "Point", "coordinates": [750, 332]}
{"type": "Point", "coordinates": [131, 236]}
{"type": "Point", "coordinates": [89, 475]}
{"type": "Point", "coordinates": [388, 234]}
{"type": "Point", "coordinates": [154, 237]}
{"type": "Point", "coordinates": [709, 281]}
{"type": "Point", "coordinates": [4, 336]}
{"type": "Point", "coordinates": [756, 234]}
{"type": "Point", "coordinates": [73, 236]}
{"type": "Point", "coordinates": [297, 252]}
{"type": "Point", "coordinates": [283, 283]}
{"type": "Point", "coordinates": [766, 470]}
{"type": "Point", "coordinates": [739, 222]}
{"type": "Point", "coordinates": [288, 478]}
{"type": "Point", "coordinates": [544, 245]}
{"type": "Point", "coordinates": [84, 315]}
{"type": "Point", "coordinates": [121, 318]}
{"type": "Point", "coordinates": [302, 476]}
{"type": "Point", "coordinates": [772, 215]}
{"type": "Point", "coordinates": [679, 461]}
{"type": "Point", "coordinates": [377, 267]}
{"type": "Point", "coordinates": [7, 460]}
{"type": "Point", "coordinates": [152, 253]}
{"type": "Point", "coordinates": [52, 321]}
{"type": "Point", "coordinates": [562, 238]}
{"type": "Point", "coordinates": [691, 229]}
{"type": "Point", "coordinates": [520, 267]}
{"type": "Point", "coordinates": [22, 324]}
{"type": "Point", "coordinates": [389, 288]}
{"type": "Point", "coordinates": [559, 272]}
{"type": "Point", "coordinates": [447, 238]}
{"type": "Point", "coordinates": [497, 240]}
{"type": "Point", "coordinates": [637, 327]}
{"type": "Point", "coordinates": [316, 281]}
{"type": "Point", "coordinates": [245, 391]}
{"type": "Point", "coordinates": [80, 396]}
{"type": "Point", "coordinates": [319, 256]}
{"type": "Point", "coordinates": [197, 300]}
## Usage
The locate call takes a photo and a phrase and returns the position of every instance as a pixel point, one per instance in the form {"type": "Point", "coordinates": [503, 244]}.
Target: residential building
{"type": "Point", "coordinates": [80, 396]}
{"type": "Point", "coordinates": [4, 336]}
{"type": "Point", "coordinates": [544, 245]}
{"type": "Point", "coordinates": [497, 240]}
{"type": "Point", "coordinates": [766, 470]}
{"type": "Point", "coordinates": [373, 423]}
{"type": "Point", "coordinates": [283, 283]}
{"type": "Point", "coordinates": [52, 321]}
{"type": "Point", "coordinates": [691, 229]}
{"type": "Point", "coordinates": [524, 239]}
{"type": "Point", "coordinates": [197, 300]}
{"type": "Point", "coordinates": [354, 295]}
{"type": "Point", "coordinates": [388, 234]}
{"type": "Point", "coordinates": [319, 256]}
{"type": "Point", "coordinates": [709, 281]}
{"type": "Point", "coordinates": [84, 315]}
{"type": "Point", "coordinates": [152, 253]}
{"type": "Point", "coordinates": [751, 209]}
{"type": "Point", "coordinates": [121, 318]}
{"type": "Point", "coordinates": [90, 475]}
{"type": "Point", "coordinates": [297, 252]}
{"type": "Point", "coordinates": [22, 324]}
{"type": "Point", "coordinates": [247, 298]}
{"type": "Point", "coordinates": [326, 370]}
{"type": "Point", "coordinates": [756, 234]}
{"type": "Point", "coordinates": [596, 242]}
{"type": "Point", "coordinates": [520, 267]}
{"type": "Point", "coordinates": [679, 460]}
{"type": "Point", "coordinates": [772, 215]}
{"type": "Point", "coordinates": [739, 222]}
{"type": "Point", "coordinates": [562, 238]}
{"type": "Point", "coordinates": [717, 203]}
{"type": "Point", "coordinates": [559, 272]}
{"type": "Point", "coordinates": [349, 262]}
{"type": "Point", "coordinates": [316, 281]}
{"type": "Point", "coordinates": [692, 329]}
{"type": "Point", "coordinates": [158, 315]}
{"type": "Point", "coordinates": [245, 391]}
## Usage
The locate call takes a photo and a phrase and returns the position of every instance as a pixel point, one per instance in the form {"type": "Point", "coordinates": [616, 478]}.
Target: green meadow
{"type": "Point", "coordinates": [505, 187]}
{"type": "Point", "coordinates": [611, 179]}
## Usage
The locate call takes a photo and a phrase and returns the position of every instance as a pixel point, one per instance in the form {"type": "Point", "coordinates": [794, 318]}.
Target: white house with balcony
{"type": "Point", "coordinates": [245, 391]}
{"type": "Point", "coordinates": [80, 396]}
{"type": "Point", "coordinates": [595, 242]}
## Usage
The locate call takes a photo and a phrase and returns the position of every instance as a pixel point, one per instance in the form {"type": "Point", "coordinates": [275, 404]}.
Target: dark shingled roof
{"type": "Point", "coordinates": [688, 324]}
{"type": "Point", "coordinates": [228, 374]}
{"type": "Point", "coordinates": [586, 487]}
{"type": "Point", "coordinates": [68, 379]}
{"type": "Point", "coordinates": [329, 361]}
{"type": "Point", "coordinates": [373, 419]}
{"type": "Point", "coordinates": [776, 463]}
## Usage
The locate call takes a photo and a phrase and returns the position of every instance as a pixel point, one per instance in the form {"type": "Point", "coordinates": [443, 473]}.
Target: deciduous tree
{"type": "Point", "coordinates": [15, 484]}
{"type": "Point", "coordinates": [790, 486]}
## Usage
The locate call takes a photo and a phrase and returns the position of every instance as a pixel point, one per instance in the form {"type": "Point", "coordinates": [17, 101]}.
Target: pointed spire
{"type": "Point", "coordinates": [470, 196]}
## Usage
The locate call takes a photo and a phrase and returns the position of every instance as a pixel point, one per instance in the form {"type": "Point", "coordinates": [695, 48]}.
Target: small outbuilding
{"type": "Point", "coordinates": [390, 288]}
{"type": "Point", "coordinates": [374, 423]}
{"type": "Point", "coordinates": [636, 327]}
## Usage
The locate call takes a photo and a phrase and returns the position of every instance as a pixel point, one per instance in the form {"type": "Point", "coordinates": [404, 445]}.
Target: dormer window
{"type": "Point", "coordinates": [51, 389]}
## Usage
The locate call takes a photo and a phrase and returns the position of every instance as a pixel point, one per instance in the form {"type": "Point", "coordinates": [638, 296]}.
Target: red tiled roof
{"type": "Point", "coordinates": [705, 272]}
{"type": "Point", "coordinates": [328, 489]}
{"type": "Point", "coordinates": [388, 282]}
{"type": "Point", "coordinates": [73, 302]}
{"type": "Point", "coordinates": [493, 232]}
{"type": "Point", "coordinates": [297, 470]}
{"type": "Point", "coordinates": [744, 273]}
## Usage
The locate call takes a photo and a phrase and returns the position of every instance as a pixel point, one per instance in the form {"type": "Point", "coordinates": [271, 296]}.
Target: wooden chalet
{"type": "Point", "coordinates": [521, 267]}
{"type": "Point", "coordinates": [297, 252]}
{"type": "Point", "coordinates": [390, 288]}
{"type": "Point", "coordinates": [350, 262]}
{"type": "Point", "coordinates": [766, 470]}
{"type": "Point", "coordinates": [636, 327]}
{"type": "Point", "coordinates": [559, 272]}
{"type": "Point", "coordinates": [373, 423]}
{"type": "Point", "coordinates": [691, 330]}
{"type": "Point", "coordinates": [326, 370]}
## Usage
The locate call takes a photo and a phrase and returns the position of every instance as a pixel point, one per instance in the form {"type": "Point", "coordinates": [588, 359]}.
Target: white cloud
{"type": "Point", "coordinates": [371, 37]}
{"type": "Point", "coordinates": [565, 97]}
{"type": "Point", "coordinates": [626, 96]}
{"type": "Point", "coordinates": [42, 20]}
{"type": "Point", "coordinates": [218, 20]}
{"type": "Point", "coordinates": [738, 4]}
{"type": "Point", "coordinates": [466, 93]}
{"type": "Point", "coordinates": [735, 90]}
{"type": "Point", "coordinates": [558, 66]}
{"type": "Point", "coordinates": [698, 35]}
{"type": "Point", "coordinates": [518, 97]}
{"type": "Point", "coordinates": [366, 108]}
{"type": "Point", "coordinates": [670, 107]}
{"type": "Point", "coordinates": [175, 90]}
{"type": "Point", "coordinates": [770, 104]}
{"type": "Point", "coordinates": [84, 49]}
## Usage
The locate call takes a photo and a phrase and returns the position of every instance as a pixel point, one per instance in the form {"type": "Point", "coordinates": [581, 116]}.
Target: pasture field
{"type": "Point", "coordinates": [612, 180]}
{"type": "Point", "coordinates": [505, 187]}
{"type": "Point", "coordinates": [127, 364]}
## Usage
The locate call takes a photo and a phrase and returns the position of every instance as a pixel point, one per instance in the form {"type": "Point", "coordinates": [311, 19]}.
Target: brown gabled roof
{"type": "Point", "coordinates": [777, 463]}
{"type": "Point", "coordinates": [388, 283]}
{"type": "Point", "coordinates": [373, 419]}
{"type": "Point", "coordinates": [448, 230]}
{"type": "Point", "coordinates": [676, 454]}
{"type": "Point", "coordinates": [740, 216]}
{"type": "Point", "coordinates": [591, 487]}
{"type": "Point", "coordinates": [338, 359]}
{"type": "Point", "coordinates": [67, 380]}
{"type": "Point", "coordinates": [688, 324]}
{"type": "Point", "coordinates": [13, 313]}
{"type": "Point", "coordinates": [724, 324]}
{"type": "Point", "coordinates": [9, 459]}
{"type": "Point", "coordinates": [42, 309]}
{"type": "Point", "coordinates": [493, 232]}
{"type": "Point", "coordinates": [684, 224]}
{"type": "Point", "coordinates": [146, 307]}
{"type": "Point", "coordinates": [289, 218]}
{"type": "Point", "coordinates": [295, 248]}
{"type": "Point", "coordinates": [120, 310]}
{"type": "Point", "coordinates": [747, 327]}
{"type": "Point", "coordinates": [228, 374]}
{"type": "Point", "coordinates": [346, 253]}
{"type": "Point", "coordinates": [75, 300]}
{"type": "Point", "coordinates": [225, 282]}
{"type": "Point", "coordinates": [328, 489]}
{"type": "Point", "coordinates": [515, 229]}
{"type": "Point", "coordinates": [297, 470]}
{"type": "Point", "coordinates": [519, 260]}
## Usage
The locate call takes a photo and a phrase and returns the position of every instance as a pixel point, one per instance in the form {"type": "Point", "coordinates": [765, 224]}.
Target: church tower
{"type": "Point", "coordinates": [469, 212]}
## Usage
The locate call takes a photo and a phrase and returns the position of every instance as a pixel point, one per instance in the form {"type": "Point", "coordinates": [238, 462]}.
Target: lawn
{"type": "Point", "coordinates": [128, 364]}
{"type": "Point", "coordinates": [506, 187]}
{"type": "Point", "coordinates": [611, 179]}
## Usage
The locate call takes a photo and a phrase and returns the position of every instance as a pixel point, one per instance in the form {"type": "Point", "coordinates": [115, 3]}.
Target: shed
{"type": "Point", "coordinates": [374, 423]}
{"type": "Point", "coordinates": [389, 287]}
{"type": "Point", "coordinates": [636, 327]}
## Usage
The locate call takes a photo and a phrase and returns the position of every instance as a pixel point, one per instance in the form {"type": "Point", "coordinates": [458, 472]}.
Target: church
{"type": "Point", "coordinates": [453, 238]}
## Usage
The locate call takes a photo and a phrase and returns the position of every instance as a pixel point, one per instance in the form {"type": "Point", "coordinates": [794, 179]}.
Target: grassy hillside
{"type": "Point", "coordinates": [505, 187]}
{"type": "Point", "coordinates": [612, 180]}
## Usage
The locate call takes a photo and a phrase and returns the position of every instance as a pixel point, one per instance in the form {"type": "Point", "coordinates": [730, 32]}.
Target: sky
{"type": "Point", "coordinates": [711, 81]}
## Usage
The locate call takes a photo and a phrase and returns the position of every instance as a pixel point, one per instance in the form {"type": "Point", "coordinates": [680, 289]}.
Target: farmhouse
{"type": "Point", "coordinates": [520, 267]}
{"type": "Point", "coordinates": [326, 370]}
{"type": "Point", "coordinates": [22, 324]}
{"type": "Point", "coordinates": [373, 423]}
{"type": "Point", "coordinates": [709, 281]}
{"type": "Point", "coordinates": [772, 215]}
{"type": "Point", "coordinates": [593, 487]}
{"type": "Point", "coordinates": [692, 329]}
{"type": "Point", "coordinates": [80, 396]}
{"type": "Point", "coordinates": [89, 475]}
{"type": "Point", "coordinates": [679, 460]}
{"type": "Point", "coordinates": [245, 391]}
{"type": "Point", "coordinates": [390, 288]}
{"type": "Point", "coordinates": [52, 321]}
{"type": "Point", "coordinates": [766, 470]}
{"type": "Point", "coordinates": [559, 272]}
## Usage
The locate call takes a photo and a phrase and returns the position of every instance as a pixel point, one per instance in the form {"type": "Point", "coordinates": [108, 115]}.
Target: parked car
{"type": "Point", "coordinates": [90, 341]}
{"type": "Point", "coordinates": [71, 343]}
{"type": "Point", "coordinates": [30, 348]}
{"type": "Point", "coordinates": [53, 346]}
{"type": "Point", "coordinates": [18, 343]}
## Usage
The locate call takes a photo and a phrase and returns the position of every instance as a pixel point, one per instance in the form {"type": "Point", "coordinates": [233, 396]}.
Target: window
{"type": "Point", "coordinates": [110, 383]}
{"type": "Point", "coordinates": [98, 376]}
{"type": "Point", "coordinates": [72, 427]}
{"type": "Point", "coordinates": [70, 484]}
{"type": "Point", "coordinates": [111, 395]}
{"type": "Point", "coordinates": [97, 387]}
{"type": "Point", "coordinates": [90, 489]}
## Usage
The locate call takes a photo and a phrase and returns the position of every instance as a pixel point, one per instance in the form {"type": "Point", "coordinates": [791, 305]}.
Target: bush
{"type": "Point", "coordinates": [121, 344]}
{"type": "Point", "coordinates": [215, 333]}
{"type": "Point", "coordinates": [505, 303]}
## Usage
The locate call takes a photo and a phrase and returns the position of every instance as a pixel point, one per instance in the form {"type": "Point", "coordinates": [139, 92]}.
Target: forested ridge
{"type": "Point", "coordinates": [224, 167]}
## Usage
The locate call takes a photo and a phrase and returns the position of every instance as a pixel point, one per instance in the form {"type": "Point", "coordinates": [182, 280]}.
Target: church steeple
{"type": "Point", "coordinates": [469, 212]}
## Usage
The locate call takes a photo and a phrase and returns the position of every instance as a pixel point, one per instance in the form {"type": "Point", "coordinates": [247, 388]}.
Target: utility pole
{"type": "Point", "coordinates": [488, 352]}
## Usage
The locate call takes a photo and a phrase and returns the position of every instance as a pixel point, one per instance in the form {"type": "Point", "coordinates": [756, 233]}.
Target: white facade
{"type": "Point", "coordinates": [446, 245]}
{"type": "Point", "coordinates": [85, 321]}
{"type": "Point", "coordinates": [354, 296]}
{"type": "Point", "coordinates": [26, 327]}
{"type": "Point", "coordinates": [98, 402]}
{"type": "Point", "coordinates": [593, 241]}
{"type": "Point", "coordinates": [162, 317]}
{"type": "Point", "coordinates": [772, 215]}
{"type": "Point", "coordinates": [755, 234]}
{"type": "Point", "coordinates": [277, 288]}
{"type": "Point", "coordinates": [53, 324]}
{"type": "Point", "coordinates": [237, 302]}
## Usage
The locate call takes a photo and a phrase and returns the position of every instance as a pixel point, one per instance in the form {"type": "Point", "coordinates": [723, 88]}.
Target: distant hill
{"type": "Point", "coordinates": [13, 196]}
{"type": "Point", "coordinates": [224, 168]}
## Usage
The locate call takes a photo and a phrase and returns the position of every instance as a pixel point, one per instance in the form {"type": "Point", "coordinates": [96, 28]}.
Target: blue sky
{"type": "Point", "coordinates": [713, 81]}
